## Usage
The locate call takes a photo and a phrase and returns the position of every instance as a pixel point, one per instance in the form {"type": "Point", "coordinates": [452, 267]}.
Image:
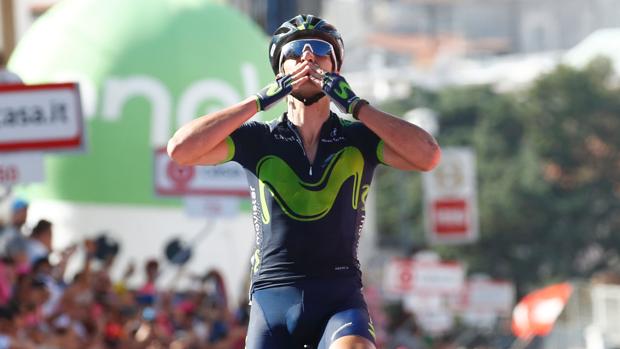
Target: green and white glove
{"type": "Point", "coordinates": [274, 92]}
{"type": "Point", "coordinates": [339, 90]}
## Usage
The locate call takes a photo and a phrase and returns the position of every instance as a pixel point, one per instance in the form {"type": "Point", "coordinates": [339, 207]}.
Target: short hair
{"type": "Point", "coordinates": [42, 227]}
{"type": "Point", "coordinates": [152, 264]}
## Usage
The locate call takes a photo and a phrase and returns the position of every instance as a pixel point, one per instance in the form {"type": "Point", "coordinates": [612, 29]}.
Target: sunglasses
{"type": "Point", "coordinates": [295, 49]}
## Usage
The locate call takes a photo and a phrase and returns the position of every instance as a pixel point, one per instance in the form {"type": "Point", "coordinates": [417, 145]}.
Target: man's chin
{"type": "Point", "coordinates": [307, 92]}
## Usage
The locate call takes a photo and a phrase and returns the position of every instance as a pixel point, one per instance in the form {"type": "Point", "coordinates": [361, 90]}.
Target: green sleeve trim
{"type": "Point", "coordinates": [258, 109]}
{"type": "Point", "coordinates": [380, 148]}
{"type": "Point", "coordinates": [231, 149]}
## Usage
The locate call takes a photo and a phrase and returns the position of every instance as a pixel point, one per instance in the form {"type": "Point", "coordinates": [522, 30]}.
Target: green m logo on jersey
{"type": "Point", "coordinates": [309, 201]}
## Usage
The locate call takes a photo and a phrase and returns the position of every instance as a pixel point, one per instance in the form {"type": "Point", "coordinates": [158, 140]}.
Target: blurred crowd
{"type": "Point", "coordinates": [42, 307]}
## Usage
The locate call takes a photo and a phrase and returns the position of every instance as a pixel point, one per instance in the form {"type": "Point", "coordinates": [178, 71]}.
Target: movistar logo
{"type": "Point", "coordinates": [342, 89]}
{"type": "Point", "coordinates": [309, 201]}
{"type": "Point", "coordinates": [273, 89]}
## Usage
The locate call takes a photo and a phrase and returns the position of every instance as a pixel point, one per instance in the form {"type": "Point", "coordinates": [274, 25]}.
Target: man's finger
{"type": "Point", "coordinates": [299, 67]}
{"type": "Point", "coordinates": [300, 80]}
{"type": "Point", "coordinates": [316, 75]}
{"type": "Point", "coordinates": [316, 81]}
{"type": "Point", "coordinates": [317, 69]}
{"type": "Point", "coordinates": [301, 73]}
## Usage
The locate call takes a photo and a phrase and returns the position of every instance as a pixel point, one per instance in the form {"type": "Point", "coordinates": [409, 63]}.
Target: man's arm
{"type": "Point", "coordinates": [202, 141]}
{"type": "Point", "coordinates": [407, 146]}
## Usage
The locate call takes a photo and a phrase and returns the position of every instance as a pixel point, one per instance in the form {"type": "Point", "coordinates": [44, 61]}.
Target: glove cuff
{"type": "Point", "coordinates": [357, 105]}
{"type": "Point", "coordinates": [258, 104]}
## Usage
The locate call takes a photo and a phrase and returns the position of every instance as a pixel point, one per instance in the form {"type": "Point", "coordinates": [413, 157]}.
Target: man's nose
{"type": "Point", "coordinates": [308, 55]}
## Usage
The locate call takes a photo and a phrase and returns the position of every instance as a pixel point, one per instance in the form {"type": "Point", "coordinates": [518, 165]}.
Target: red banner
{"type": "Point", "coordinates": [537, 312]}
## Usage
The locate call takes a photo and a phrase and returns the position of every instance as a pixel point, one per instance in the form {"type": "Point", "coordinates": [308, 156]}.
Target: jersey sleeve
{"type": "Point", "coordinates": [368, 142]}
{"type": "Point", "coordinates": [245, 143]}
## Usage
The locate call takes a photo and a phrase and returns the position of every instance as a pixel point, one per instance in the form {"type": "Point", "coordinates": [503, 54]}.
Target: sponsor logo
{"type": "Point", "coordinates": [285, 138]}
{"type": "Point", "coordinates": [310, 201]}
{"type": "Point", "coordinates": [333, 137]}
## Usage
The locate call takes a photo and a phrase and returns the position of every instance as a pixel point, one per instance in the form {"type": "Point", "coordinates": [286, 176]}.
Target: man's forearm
{"type": "Point", "coordinates": [410, 142]}
{"type": "Point", "coordinates": [201, 135]}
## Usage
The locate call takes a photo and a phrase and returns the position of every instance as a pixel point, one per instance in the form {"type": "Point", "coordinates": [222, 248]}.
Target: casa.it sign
{"type": "Point", "coordinates": [45, 117]}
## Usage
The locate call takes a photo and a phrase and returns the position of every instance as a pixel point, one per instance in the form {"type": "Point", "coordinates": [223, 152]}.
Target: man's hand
{"type": "Point", "coordinates": [337, 88]}
{"type": "Point", "coordinates": [274, 92]}
{"type": "Point", "coordinates": [282, 86]}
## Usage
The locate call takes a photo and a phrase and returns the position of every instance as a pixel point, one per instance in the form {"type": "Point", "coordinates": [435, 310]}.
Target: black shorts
{"type": "Point", "coordinates": [311, 312]}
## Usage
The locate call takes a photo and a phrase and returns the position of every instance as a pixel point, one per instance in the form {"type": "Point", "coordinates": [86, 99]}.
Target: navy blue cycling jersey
{"type": "Point", "coordinates": [307, 216]}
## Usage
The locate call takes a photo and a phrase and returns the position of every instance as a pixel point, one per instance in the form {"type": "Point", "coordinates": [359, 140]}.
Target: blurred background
{"type": "Point", "coordinates": [512, 242]}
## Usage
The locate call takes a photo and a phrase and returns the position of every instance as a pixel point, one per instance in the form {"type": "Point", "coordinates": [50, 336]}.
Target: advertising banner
{"type": "Point", "coordinates": [42, 117]}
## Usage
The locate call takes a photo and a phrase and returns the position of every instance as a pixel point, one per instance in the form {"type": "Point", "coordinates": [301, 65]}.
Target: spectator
{"type": "Point", "coordinates": [43, 270]}
{"type": "Point", "coordinates": [148, 292]}
{"type": "Point", "coordinates": [17, 250]}
{"type": "Point", "coordinates": [7, 76]}
{"type": "Point", "coordinates": [8, 277]}
{"type": "Point", "coordinates": [40, 242]}
{"type": "Point", "coordinates": [40, 311]}
{"type": "Point", "coordinates": [19, 214]}
{"type": "Point", "coordinates": [9, 331]}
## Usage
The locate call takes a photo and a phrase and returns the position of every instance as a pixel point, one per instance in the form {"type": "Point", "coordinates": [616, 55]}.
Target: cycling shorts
{"type": "Point", "coordinates": [310, 312]}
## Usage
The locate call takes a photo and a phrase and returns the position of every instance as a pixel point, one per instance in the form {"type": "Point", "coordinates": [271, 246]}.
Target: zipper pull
{"type": "Point", "coordinates": [311, 170]}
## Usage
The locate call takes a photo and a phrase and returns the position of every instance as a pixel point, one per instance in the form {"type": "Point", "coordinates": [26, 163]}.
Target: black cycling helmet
{"type": "Point", "coordinates": [300, 27]}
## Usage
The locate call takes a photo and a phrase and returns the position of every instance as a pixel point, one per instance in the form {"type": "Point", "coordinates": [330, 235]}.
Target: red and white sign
{"type": "Point", "coordinates": [449, 216]}
{"type": "Point", "coordinates": [40, 117]}
{"type": "Point", "coordinates": [21, 168]}
{"type": "Point", "coordinates": [171, 179]}
{"type": "Point", "coordinates": [494, 296]}
{"type": "Point", "coordinates": [537, 312]}
{"type": "Point", "coordinates": [211, 206]}
{"type": "Point", "coordinates": [406, 275]}
{"type": "Point", "coordinates": [450, 198]}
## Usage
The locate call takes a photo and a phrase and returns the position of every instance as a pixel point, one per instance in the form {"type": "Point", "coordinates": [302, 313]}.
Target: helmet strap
{"type": "Point", "coordinates": [310, 100]}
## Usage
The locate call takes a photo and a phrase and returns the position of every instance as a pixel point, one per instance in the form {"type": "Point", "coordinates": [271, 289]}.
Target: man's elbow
{"type": "Point", "coordinates": [433, 159]}
{"type": "Point", "coordinates": [176, 152]}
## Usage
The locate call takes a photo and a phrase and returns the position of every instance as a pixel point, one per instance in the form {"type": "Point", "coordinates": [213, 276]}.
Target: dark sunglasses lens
{"type": "Point", "coordinates": [295, 49]}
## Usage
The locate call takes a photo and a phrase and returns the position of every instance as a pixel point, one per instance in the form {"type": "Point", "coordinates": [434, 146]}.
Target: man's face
{"type": "Point", "coordinates": [19, 216]}
{"type": "Point", "coordinates": [46, 239]}
{"type": "Point", "coordinates": [320, 64]}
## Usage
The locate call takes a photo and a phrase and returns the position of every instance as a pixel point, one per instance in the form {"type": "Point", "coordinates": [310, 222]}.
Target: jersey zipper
{"type": "Point", "coordinates": [301, 144]}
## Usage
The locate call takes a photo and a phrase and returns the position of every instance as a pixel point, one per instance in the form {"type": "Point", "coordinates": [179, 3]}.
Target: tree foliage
{"type": "Point", "coordinates": [548, 172]}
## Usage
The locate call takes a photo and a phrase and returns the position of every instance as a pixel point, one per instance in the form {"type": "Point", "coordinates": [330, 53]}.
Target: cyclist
{"type": "Point", "coordinates": [309, 172]}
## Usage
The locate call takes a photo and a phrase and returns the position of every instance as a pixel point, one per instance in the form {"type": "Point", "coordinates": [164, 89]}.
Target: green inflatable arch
{"type": "Point", "coordinates": [145, 67]}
